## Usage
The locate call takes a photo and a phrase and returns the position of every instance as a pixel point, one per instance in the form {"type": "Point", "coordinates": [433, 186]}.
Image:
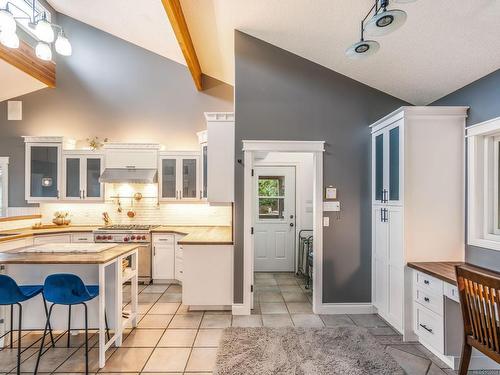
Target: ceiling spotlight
{"type": "Point", "coordinates": [362, 49]}
{"type": "Point", "coordinates": [43, 51]}
{"type": "Point", "coordinates": [385, 22]}
{"type": "Point", "coordinates": [44, 31]}
{"type": "Point", "coordinates": [7, 21]}
{"type": "Point", "coordinates": [63, 46]}
{"type": "Point", "coordinates": [9, 39]}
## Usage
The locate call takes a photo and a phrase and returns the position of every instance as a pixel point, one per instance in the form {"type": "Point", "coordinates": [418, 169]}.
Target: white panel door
{"type": "Point", "coordinates": [274, 219]}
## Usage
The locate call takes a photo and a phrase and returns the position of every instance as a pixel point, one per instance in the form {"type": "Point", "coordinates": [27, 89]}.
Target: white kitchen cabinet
{"type": "Point", "coordinates": [417, 201]}
{"type": "Point", "coordinates": [179, 177]}
{"type": "Point", "coordinates": [82, 237]}
{"type": "Point", "coordinates": [163, 257]}
{"type": "Point", "coordinates": [81, 171]}
{"type": "Point", "coordinates": [217, 157]}
{"type": "Point", "coordinates": [51, 238]}
{"type": "Point", "coordinates": [179, 259]}
{"type": "Point", "coordinates": [43, 170]}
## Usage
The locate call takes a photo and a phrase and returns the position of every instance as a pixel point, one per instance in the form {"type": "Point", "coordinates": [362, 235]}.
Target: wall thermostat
{"type": "Point", "coordinates": [330, 193]}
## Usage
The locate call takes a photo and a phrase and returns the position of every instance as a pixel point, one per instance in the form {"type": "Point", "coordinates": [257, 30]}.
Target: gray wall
{"type": "Point", "coordinates": [483, 97]}
{"type": "Point", "coordinates": [111, 88]}
{"type": "Point", "coordinates": [280, 96]}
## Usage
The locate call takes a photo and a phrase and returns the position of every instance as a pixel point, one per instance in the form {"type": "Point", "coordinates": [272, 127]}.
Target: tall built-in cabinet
{"type": "Point", "coordinates": [417, 201]}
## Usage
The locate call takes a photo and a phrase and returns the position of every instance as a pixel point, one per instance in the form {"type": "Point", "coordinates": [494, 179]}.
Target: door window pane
{"type": "Point", "coordinates": [168, 179]}
{"type": "Point", "coordinates": [271, 195]}
{"type": "Point", "coordinates": [189, 178]}
{"type": "Point", "coordinates": [394, 164]}
{"type": "Point", "coordinates": [93, 173]}
{"type": "Point", "coordinates": [379, 167]}
{"type": "Point", "coordinates": [73, 177]}
{"type": "Point", "coordinates": [43, 171]}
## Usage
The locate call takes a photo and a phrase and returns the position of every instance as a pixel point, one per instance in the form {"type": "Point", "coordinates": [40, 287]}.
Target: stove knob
{"type": "Point", "coordinates": [143, 237]}
{"type": "Point", "coordinates": [125, 239]}
{"type": "Point", "coordinates": [98, 237]}
{"type": "Point", "coordinates": [133, 237]}
{"type": "Point", "coordinates": [110, 237]}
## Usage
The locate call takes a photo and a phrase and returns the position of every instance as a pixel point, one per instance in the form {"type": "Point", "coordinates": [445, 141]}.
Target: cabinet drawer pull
{"type": "Point", "coordinates": [426, 299]}
{"type": "Point", "coordinates": [426, 328]}
{"type": "Point", "coordinates": [426, 282]}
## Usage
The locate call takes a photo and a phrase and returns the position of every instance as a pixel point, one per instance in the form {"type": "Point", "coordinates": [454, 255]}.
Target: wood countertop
{"type": "Point", "coordinates": [442, 270]}
{"type": "Point", "coordinates": [200, 235]}
{"type": "Point", "coordinates": [15, 234]}
{"type": "Point", "coordinates": [18, 257]}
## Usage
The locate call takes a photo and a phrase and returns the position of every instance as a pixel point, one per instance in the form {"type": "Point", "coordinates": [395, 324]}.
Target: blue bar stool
{"type": "Point", "coordinates": [68, 289]}
{"type": "Point", "coordinates": [13, 294]}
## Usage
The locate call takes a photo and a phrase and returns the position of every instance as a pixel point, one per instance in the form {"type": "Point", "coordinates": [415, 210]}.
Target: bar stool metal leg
{"type": "Point", "coordinates": [11, 326]}
{"type": "Point", "coordinates": [46, 315]}
{"type": "Point", "coordinates": [43, 339]}
{"type": "Point", "coordinates": [19, 338]}
{"type": "Point", "coordinates": [86, 340]}
{"type": "Point", "coordinates": [69, 324]}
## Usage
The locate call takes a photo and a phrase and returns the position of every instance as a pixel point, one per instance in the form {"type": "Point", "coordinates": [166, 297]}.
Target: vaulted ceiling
{"type": "Point", "coordinates": [443, 46]}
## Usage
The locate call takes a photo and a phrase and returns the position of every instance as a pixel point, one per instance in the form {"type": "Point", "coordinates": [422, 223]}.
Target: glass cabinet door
{"type": "Point", "coordinates": [189, 178]}
{"type": "Point", "coordinates": [43, 171]}
{"type": "Point", "coordinates": [93, 168]}
{"type": "Point", "coordinates": [169, 178]}
{"type": "Point", "coordinates": [379, 167]}
{"type": "Point", "coordinates": [73, 188]}
{"type": "Point", "coordinates": [394, 185]}
{"type": "Point", "coordinates": [205, 170]}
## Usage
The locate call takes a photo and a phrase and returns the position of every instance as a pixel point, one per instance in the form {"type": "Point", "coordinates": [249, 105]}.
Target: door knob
{"type": "Point", "coordinates": [291, 224]}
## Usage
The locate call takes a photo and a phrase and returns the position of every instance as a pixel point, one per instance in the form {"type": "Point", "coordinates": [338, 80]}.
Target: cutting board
{"type": "Point", "coordinates": [69, 248]}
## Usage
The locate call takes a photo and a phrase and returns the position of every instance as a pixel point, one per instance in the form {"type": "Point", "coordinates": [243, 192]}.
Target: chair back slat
{"type": "Point", "coordinates": [480, 301]}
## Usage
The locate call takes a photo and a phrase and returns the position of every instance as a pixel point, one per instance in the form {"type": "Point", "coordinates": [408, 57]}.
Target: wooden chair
{"type": "Point", "coordinates": [479, 291]}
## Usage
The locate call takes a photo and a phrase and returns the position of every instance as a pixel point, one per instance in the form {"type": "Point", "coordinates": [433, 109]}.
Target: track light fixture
{"type": "Point", "coordinates": [43, 30]}
{"type": "Point", "coordinates": [381, 22]}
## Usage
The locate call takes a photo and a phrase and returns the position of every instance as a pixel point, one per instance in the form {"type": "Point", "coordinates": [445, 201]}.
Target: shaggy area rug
{"type": "Point", "coordinates": [304, 351]}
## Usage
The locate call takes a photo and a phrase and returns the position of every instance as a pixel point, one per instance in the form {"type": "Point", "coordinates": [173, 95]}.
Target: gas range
{"type": "Point", "coordinates": [124, 233]}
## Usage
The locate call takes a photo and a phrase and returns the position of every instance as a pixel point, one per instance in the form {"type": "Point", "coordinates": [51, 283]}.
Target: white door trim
{"type": "Point", "coordinates": [316, 148]}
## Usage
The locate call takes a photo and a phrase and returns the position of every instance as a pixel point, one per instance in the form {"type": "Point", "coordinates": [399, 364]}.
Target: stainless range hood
{"type": "Point", "coordinates": [129, 175]}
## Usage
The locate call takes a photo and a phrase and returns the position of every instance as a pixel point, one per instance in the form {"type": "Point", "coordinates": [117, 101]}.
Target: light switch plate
{"type": "Point", "coordinates": [330, 192]}
{"type": "Point", "coordinates": [326, 221]}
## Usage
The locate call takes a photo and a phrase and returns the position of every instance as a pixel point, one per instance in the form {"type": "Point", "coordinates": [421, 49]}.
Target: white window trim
{"type": "Point", "coordinates": [482, 171]}
{"type": "Point", "coordinates": [4, 165]}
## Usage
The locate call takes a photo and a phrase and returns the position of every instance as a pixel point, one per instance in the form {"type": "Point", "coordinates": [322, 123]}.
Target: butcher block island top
{"type": "Point", "coordinates": [202, 235]}
{"type": "Point", "coordinates": [58, 256]}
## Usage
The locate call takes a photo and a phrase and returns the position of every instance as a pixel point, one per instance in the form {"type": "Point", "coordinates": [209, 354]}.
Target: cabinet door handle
{"type": "Point", "coordinates": [84, 194]}
{"type": "Point", "coordinates": [426, 328]}
{"type": "Point", "coordinates": [426, 299]}
{"type": "Point", "coordinates": [154, 250]}
{"type": "Point", "coordinates": [382, 215]}
{"type": "Point", "coordinates": [58, 194]}
{"type": "Point", "coordinates": [384, 196]}
{"type": "Point", "coordinates": [426, 282]}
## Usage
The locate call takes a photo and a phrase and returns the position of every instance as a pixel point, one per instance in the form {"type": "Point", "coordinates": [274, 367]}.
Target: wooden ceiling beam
{"type": "Point", "coordinates": [174, 12]}
{"type": "Point", "coordinates": [24, 59]}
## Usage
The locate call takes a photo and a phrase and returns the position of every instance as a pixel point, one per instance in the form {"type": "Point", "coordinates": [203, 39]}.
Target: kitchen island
{"type": "Point", "coordinates": [95, 264]}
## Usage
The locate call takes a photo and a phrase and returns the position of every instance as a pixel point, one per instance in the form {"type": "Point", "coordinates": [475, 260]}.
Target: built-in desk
{"type": "Point", "coordinates": [436, 315]}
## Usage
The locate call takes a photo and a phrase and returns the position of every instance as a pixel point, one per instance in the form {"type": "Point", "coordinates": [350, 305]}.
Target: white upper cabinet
{"type": "Point", "coordinates": [179, 177]}
{"type": "Point", "coordinates": [217, 152]}
{"type": "Point", "coordinates": [81, 171]}
{"type": "Point", "coordinates": [43, 170]}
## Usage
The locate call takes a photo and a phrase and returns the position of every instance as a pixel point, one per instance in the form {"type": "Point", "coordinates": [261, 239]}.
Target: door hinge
{"type": "Point", "coordinates": [251, 288]}
{"type": "Point", "coordinates": [2, 321]}
{"type": "Point", "coordinates": [251, 230]}
{"type": "Point", "coordinates": [2, 268]}
{"type": "Point", "coordinates": [252, 172]}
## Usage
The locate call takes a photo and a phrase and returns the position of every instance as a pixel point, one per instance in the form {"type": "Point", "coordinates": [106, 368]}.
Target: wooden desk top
{"type": "Point", "coordinates": [442, 270]}
{"type": "Point", "coordinates": [17, 257]}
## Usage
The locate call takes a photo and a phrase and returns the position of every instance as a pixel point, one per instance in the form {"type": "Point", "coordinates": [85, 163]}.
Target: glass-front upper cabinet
{"type": "Point", "coordinates": [42, 169]}
{"type": "Point", "coordinates": [387, 165]}
{"type": "Point", "coordinates": [81, 176]}
{"type": "Point", "coordinates": [179, 176]}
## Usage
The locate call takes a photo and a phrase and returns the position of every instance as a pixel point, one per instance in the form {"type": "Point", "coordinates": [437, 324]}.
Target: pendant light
{"type": "Point", "coordinates": [9, 39]}
{"type": "Point", "coordinates": [363, 48]}
{"type": "Point", "coordinates": [44, 30]}
{"type": "Point", "coordinates": [385, 21]}
{"type": "Point", "coordinates": [62, 45]}
{"type": "Point", "coordinates": [7, 21]}
{"type": "Point", "coordinates": [43, 51]}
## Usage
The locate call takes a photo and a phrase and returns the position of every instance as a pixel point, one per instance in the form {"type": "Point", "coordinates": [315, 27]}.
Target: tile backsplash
{"type": "Point", "coordinates": [147, 210]}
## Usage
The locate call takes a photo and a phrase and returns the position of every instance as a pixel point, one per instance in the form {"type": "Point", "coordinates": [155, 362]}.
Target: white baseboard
{"type": "Point", "coordinates": [344, 308]}
{"type": "Point", "coordinates": [240, 309]}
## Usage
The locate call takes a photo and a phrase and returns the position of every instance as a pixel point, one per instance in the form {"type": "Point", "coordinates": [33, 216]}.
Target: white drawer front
{"type": "Point", "coordinates": [82, 237]}
{"type": "Point", "coordinates": [163, 238]}
{"type": "Point", "coordinates": [429, 327]}
{"type": "Point", "coordinates": [432, 301]}
{"type": "Point", "coordinates": [451, 291]}
{"type": "Point", "coordinates": [429, 283]}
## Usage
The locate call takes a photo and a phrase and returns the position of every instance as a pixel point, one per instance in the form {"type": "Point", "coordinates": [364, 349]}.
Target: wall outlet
{"type": "Point", "coordinates": [326, 221]}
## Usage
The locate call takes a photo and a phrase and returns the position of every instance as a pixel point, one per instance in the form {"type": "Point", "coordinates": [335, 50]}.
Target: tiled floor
{"type": "Point", "coordinates": [171, 340]}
